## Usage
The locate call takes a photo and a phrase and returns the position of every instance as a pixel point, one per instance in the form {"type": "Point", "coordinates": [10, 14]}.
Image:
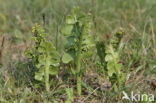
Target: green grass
{"type": "Point", "coordinates": [136, 17]}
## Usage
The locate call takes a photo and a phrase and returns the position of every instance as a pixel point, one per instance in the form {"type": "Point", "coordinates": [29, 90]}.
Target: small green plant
{"type": "Point", "coordinates": [77, 30]}
{"type": "Point", "coordinates": [44, 56]}
{"type": "Point", "coordinates": [114, 67]}
{"type": "Point", "coordinates": [109, 54]}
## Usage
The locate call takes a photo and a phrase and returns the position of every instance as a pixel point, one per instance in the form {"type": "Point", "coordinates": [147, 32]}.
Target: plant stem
{"type": "Point", "coordinates": [79, 85]}
{"type": "Point", "coordinates": [78, 66]}
{"type": "Point", "coordinates": [46, 75]}
{"type": "Point", "coordinates": [78, 77]}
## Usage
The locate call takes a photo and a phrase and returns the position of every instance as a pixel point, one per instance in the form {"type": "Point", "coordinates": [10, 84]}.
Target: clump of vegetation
{"type": "Point", "coordinates": [44, 56]}
{"type": "Point", "coordinates": [114, 67]}
{"type": "Point", "coordinates": [77, 31]}
{"type": "Point", "coordinates": [109, 54]}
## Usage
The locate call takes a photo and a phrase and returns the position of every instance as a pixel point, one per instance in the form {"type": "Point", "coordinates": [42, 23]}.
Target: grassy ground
{"type": "Point", "coordinates": [136, 17]}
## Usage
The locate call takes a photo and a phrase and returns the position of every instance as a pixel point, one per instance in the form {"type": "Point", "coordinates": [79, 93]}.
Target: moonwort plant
{"type": "Point", "coordinates": [44, 56]}
{"type": "Point", "coordinates": [114, 67]}
{"type": "Point", "coordinates": [77, 31]}
{"type": "Point", "coordinates": [109, 55]}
